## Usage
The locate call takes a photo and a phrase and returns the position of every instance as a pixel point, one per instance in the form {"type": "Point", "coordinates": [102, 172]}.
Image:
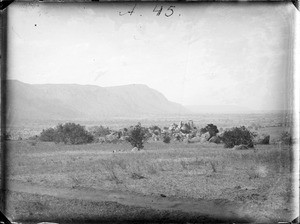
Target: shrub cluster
{"type": "Point", "coordinates": [166, 139]}
{"type": "Point", "coordinates": [100, 131]}
{"type": "Point", "coordinates": [137, 136]}
{"type": "Point", "coordinates": [238, 136]}
{"type": "Point", "coordinates": [286, 138]}
{"type": "Point", "coordinates": [48, 135]}
{"type": "Point", "coordinates": [211, 129]}
{"type": "Point", "coordinates": [69, 133]}
{"type": "Point", "coordinates": [5, 136]}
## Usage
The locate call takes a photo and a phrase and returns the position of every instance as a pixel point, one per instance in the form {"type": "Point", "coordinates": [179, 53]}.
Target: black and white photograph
{"type": "Point", "coordinates": [151, 112]}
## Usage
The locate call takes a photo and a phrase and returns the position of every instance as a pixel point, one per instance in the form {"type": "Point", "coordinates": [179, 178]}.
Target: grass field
{"type": "Point", "coordinates": [159, 182]}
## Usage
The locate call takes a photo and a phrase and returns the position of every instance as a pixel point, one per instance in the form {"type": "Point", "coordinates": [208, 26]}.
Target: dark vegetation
{"type": "Point", "coordinates": [238, 136]}
{"type": "Point", "coordinates": [69, 133]}
{"type": "Point", "coordinates": [286, 138]}
{"type": "Point", "coordinates": [166, 139]}
{"type": "Point", "coordinates": [100, 131]}
{"type": "Point", "coordinates": [211, 129]}
{"type": "Point", "coordinates": [6, 136]}
{"type": "Point", "coordinates": [137, 136]}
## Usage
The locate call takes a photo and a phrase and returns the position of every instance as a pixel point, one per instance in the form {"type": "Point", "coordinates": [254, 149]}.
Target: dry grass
{"type": "Point", "coordinates": [260, 179]}
{"type": "Point", "coordinates": [34, 208]}
{"type": "Point", "coordinates": [175, 169]}
{"type": "Point", "coordinates": [76, 181]}
{"type": "Point", "coordinates": [184, 164]}
{"type": "Point", "coordinates": [111, 168]}
{"type": "Point", "coordinates": [95, 161]}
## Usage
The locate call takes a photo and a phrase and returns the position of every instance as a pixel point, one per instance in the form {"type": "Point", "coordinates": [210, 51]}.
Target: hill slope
{"type": "Point", "coordinates": [72, 101]}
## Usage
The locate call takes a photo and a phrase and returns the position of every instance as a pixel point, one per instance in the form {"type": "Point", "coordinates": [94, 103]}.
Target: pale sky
{"type": "Point", "coordinates": [203, 54]}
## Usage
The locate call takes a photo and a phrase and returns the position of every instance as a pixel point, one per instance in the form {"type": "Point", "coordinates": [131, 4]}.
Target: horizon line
{"type": "Point", "coordinates": [245, 110]}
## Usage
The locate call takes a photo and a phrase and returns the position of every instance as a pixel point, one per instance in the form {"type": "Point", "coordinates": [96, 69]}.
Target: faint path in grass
{"type": "Point", "coordinates": [210, 208]}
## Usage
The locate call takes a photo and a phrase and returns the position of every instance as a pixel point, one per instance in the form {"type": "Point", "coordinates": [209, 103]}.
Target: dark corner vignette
{"type": "Point", "coordinates": [296, 4]}
{"type": "Point", "coordinates": [3, 172]}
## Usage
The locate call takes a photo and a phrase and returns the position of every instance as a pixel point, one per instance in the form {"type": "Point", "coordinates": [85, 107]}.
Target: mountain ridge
{"type": "Point", "coordinates": [75, 101]}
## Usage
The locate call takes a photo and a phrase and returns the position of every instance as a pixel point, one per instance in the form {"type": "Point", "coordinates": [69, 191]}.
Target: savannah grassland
{"type": "Point", "coordinates": [175, 182]}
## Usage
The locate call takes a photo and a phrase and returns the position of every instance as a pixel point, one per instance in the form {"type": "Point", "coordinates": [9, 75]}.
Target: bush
{"type": "Point", "coordinates": [47, 135]}
{"type": "Point", "coordinates": [238, 136]}
{"type": "Point", "coordinates": [262, 139]}
{"type": "Point", "coordinates": [99, 131]}
{"type": "Point", "coordinates": [186, 129]}
{"type": "Point", "coordinates": [137, 136]}
{"type": "Point", "coordinates": [69, 133]}
{"type": "Point", "coordinates": [202, 131]}
{"type": "Point", "coordinates": [155, 127]}
{"type": "Point", "coordinates": [286, 138]}
{"type": "Point", "coordinates": [166, 139]}
{"type": "Point", "coordinates": [6, 136]}
{"type": "Point", "coordinates": [212, 129]}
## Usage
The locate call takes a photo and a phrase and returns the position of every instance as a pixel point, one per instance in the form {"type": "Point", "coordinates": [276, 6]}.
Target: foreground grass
{"type": "Point", "coordinates": [260, 179]}
{"type": "Point", "coordinates": [33, 208]}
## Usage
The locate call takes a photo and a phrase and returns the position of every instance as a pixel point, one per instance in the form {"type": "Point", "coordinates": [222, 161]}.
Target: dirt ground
{"type": "Point", "coordinates": [171, 182]}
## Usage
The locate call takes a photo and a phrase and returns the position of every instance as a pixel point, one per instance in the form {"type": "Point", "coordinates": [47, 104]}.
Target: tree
{"type": "Point", "coordinates": [166, 138]}
{"type": "Point", "coordinates": [137, 136]}
{"type": "Point", "coordinates": [238, 136]}
{"type": "Point", "coordinates": [186, 128]}
{"type": "Point", "coordinates": [69, 133]}
{"type": "Point", "coordinates": [47, 135]}
{"type": "Point", "coordinates": [212, 129]}
{"type": "Point", "coordinates": [286, 138]}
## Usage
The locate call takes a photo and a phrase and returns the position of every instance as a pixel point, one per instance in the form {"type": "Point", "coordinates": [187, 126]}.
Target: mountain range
{"type": "Point", "coordinates": [85, 102]}
{"type": "Point", "coordinates": [91, 102]}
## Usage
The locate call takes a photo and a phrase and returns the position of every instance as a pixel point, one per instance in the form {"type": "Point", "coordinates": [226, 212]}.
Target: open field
{"type": "Point", "coordinates": [264, 122]}
{"type": "Point", "coordinates": [203, 181]}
